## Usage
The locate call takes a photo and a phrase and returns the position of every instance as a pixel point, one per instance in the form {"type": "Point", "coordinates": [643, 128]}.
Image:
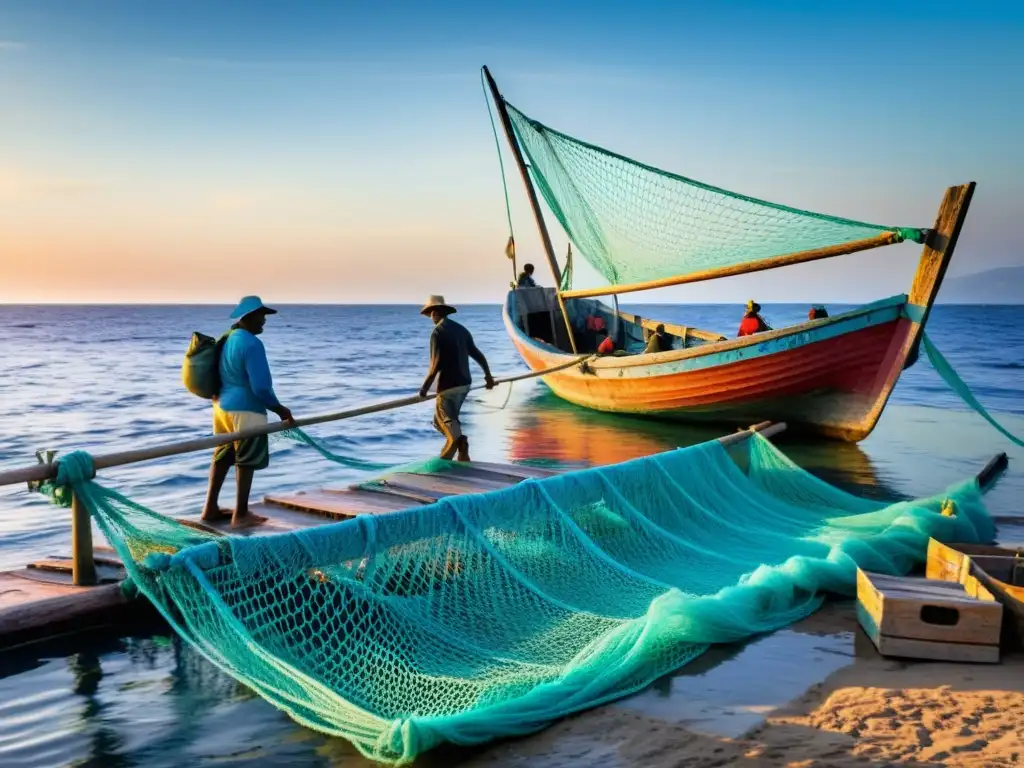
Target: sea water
{"type": "Point", "coordinates": [107, 378]}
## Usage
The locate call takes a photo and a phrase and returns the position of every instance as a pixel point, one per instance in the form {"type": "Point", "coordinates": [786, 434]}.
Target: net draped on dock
{"type": "Point", "coordinates": [493, 614]}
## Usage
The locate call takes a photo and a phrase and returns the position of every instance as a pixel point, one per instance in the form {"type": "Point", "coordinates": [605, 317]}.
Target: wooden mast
{"type": "Point", "coordinates": [549, 251]}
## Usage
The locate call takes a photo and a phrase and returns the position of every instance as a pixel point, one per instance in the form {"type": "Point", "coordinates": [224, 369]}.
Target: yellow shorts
{"type": "Point", "coordinates": [252, 452]}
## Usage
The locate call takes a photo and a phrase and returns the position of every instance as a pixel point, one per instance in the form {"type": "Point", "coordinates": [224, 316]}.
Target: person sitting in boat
{"type": "Point", "coordinates": [817, 311]}
{"type": "Point", "coordinates": [246, 394]}
{"type": "Point", "coordinates": [451, 346]}
{"type": "Point", "coordinates": [752, 321]}
{"type": "Point", "coordinates": [659, 341]}
{"type": "Point", "coordinates": [526, 277]}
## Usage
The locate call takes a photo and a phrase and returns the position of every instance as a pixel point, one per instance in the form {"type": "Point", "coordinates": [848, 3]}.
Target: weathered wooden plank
{"type": "Point", "coordinates": [967, 653]}
{"type": "Point", "coordinates": [31, 610]}
{"type": "Point", "coordinates": [518, 470]}
{"type": "Point", "coordinates": [279, 520]}
{"type": "Point", "coordinates": [338, 503]}
{"type": "Point", "coordinates": [61, 570]}
{"type": "Point", "coordinates": [411, 496]}
{"type": "Point", "coordinates": [472, 470]}
{"type": "Point", "coordinates": [436, 485]}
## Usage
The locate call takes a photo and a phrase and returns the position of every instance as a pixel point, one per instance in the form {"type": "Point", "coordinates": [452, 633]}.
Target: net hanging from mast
{"type": "Point", "coordinates": [634, 223]}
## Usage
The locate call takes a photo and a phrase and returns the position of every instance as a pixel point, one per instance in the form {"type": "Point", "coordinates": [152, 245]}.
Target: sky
{"type": "Point", "coordinates": [329, 152]}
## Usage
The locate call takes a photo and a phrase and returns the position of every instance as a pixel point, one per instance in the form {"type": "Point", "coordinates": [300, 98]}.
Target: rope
{"type": "Point", "coordinates": [945, 370]}
{"type": "Point", "coordinates": [510, 249]}
{"type": "Point", "coordinates": [508, 396]}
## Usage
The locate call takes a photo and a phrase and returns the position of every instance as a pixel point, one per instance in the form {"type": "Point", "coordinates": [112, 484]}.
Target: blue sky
{"type": "Point", "coordinates": [331, 152]}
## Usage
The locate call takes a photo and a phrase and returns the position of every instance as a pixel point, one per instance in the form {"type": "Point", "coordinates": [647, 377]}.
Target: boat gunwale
{"type": "Point", "coordinates": [709, 348]}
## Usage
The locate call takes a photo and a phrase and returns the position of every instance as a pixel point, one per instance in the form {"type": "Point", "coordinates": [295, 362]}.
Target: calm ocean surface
{"type": "Point", "coordinates": [108, 378]}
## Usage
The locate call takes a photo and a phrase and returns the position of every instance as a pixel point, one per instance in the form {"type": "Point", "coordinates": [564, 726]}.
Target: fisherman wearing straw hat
{"type": "Point", "coordinates": [451, 346]}
{"type": "Point", "coordinates": [246, 394]}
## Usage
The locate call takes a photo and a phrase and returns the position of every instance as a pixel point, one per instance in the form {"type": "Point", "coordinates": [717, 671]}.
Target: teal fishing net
{"type": "Point", "coordinates": [490, 615]}
{"type": "Point", "coordinates": [632, 222]}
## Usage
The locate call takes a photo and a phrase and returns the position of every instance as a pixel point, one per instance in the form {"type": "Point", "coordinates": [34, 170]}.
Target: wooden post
{"type": "Point", "coordinates": [936, 255]}
{"type": "Point", "coordinates": [83, 568]}
{"type": "Point", "coordinates": [506, 123]}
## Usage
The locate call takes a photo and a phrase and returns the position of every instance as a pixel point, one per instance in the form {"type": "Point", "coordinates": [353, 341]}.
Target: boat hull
{"type": "Point", "coordinates": [830, 376]}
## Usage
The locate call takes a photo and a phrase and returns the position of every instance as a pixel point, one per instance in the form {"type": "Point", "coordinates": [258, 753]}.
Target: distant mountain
{"type": "Point", "coordinates": [994, 286]}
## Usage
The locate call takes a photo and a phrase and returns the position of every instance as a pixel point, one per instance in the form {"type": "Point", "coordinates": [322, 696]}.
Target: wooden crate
{"type": "Point", "coordinates": [928, 618]}
{"type": "Point", "coordinates": [985, 569]}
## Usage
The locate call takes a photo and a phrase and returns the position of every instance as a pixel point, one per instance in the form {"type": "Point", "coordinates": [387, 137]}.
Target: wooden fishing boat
{"type": "Point", "coordinates": [830, 375]}
{"type": "Point", "coordinates": [999, 570]}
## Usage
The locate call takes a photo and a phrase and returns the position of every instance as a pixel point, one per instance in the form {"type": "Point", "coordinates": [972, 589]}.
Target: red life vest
{"type": "Point", "coordinates": [750, 325]}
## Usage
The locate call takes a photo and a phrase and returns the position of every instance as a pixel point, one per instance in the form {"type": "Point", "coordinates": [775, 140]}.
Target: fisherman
{"type": "Point", "coordinates": [526, 277]}
{"type": "Point", "coordinates": [246, 394]}
{"type": "Point", "coordinates": [659, 341]}
{"type": "Point", "coordinates": [752, 321]}
{"type": "Point", "coordinates": [816, 312]}
{"type": "Point", "coordinates": [451, 346]}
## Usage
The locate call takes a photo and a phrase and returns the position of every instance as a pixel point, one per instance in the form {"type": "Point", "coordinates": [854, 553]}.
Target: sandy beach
{"type": "Point", "coordinates": [871, 711]}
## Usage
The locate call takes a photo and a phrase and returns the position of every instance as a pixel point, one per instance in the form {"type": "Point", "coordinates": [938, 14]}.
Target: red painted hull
{"type": "Point", "coordinates": [835, 386]}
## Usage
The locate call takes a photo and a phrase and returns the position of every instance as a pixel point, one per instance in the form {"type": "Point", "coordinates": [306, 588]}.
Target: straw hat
{"type": "Point", "coordinates": [753, 306]}
{"type": "Point", "coordinates": [437, 302]}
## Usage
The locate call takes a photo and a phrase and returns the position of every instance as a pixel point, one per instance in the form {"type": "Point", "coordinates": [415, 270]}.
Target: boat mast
{"type": "Point", "coordinates": [549, 250]}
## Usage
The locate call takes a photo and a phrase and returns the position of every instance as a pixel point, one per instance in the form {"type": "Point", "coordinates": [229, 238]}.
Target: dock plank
{"type": "Point", "coordinates": [31, 609]}
{"type": "Point", "coordinates": [522, 471]}
{"type": "Point", "coordinates": [338, 504]}
{"type": "Point", "coordinates": [280, 520]}
{"type": "Point", "coordinates": [436, 485]}
{"type": "Point", "coordinates": [39, 601]}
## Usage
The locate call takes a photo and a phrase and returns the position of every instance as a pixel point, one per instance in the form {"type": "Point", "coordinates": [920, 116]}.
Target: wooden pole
{"type": "Point", "coordinates": [765, 428]}
{"type": "Point", "coordinates": [83, 567]}
{"type": "Point", "coordinates": [937, 253]}
{"type": "Point", "coordinates": [40, 472]}
{"type": "Point", "coordinates": [568, 325]}
{"type": "Point", "coordinates": [774, 262]}
{"type": "Point", "coordinates": [510, 135]}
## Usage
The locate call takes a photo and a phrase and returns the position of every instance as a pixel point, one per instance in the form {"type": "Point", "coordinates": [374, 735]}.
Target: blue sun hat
{"type": "Point", "coordinates": [251, 304]}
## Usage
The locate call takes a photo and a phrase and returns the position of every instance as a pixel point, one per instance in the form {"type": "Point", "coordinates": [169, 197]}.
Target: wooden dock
{"type": "Point", "coordinates": [40, 601]}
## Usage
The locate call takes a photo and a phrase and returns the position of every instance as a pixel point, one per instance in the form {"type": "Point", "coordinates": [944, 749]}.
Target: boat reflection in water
{"type": "Point", "coordinates": [549, 430]}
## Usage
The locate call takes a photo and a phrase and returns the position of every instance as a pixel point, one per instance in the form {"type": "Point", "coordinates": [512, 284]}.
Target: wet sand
{"type": "Point", "coordinates": [814, 695]}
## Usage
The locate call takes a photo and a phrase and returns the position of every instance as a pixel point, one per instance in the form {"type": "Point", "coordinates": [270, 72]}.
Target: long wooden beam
{"type": "Point", "coordinates": [41, 472]}
{"type": "Point", "coordinates": [773, 262]}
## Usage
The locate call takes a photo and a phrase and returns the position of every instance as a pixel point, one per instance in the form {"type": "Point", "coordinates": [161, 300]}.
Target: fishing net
{"type": "Point", "coordinates": [489, 615]}
{"type": "Point", "coordinates": [633, 223]}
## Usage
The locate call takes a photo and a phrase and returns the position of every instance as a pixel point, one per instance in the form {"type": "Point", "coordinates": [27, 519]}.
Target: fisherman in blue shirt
{"type": "Point", "coordinates": [246, 394]}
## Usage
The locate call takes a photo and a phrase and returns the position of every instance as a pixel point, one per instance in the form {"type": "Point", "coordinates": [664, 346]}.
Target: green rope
{"type": "Point", "coordinates": [945, 370]}
{"type": "Point", "coordinates": [299, 436]}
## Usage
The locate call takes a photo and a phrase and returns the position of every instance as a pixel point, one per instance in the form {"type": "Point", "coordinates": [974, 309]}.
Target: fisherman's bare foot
{"type": "Point", "coordinates": [215, 516]}
{"type": "Point", "coordinates": [248, 520]}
